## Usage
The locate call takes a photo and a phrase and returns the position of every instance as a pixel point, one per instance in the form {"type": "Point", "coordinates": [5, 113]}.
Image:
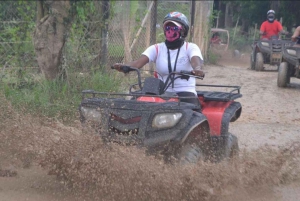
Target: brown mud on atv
{"type": "Point", "coordinates": [267, 52]}
{"type": "Point", "coordinates": [162, 123]}
{"type": "Point", "coordinates": [290, 65]}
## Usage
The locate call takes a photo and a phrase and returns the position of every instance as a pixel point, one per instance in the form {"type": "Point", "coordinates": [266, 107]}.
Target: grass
{"type": "Point", "coordinates": [58, 98]}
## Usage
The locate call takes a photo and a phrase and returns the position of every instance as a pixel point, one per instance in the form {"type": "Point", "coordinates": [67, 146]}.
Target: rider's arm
{"type": "Point", "coordinates": [140, 62]}
{"type": "Point", "coordinates": [261, 32]}
{"type": "Point", "coordinates": [262, 29]}
{"type": "Point", "coordinates": [283, 32]}
{"type": "Point", "coordinates": [146, 56]}
{"type": "Point", "coordinates": [280, 29]}
{"type": "Point", "coordinates": [195, 55]}
{"type": "Point", "coordinates": [197, 64]}
{"type": "Point", "coordinates": [296, 34]}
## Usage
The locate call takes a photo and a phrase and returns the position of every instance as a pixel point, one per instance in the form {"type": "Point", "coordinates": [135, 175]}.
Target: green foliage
{"type": "Point", "coordinates": [289, 11]}
{"type": "Point", "coordinates": [239, 41]}
{"type": "Point", "coordinates": [213, 16]}
{"type": "Point", "coordinates": [212, 57]}
{"type": "Point", "coordinates": [253, 11]}
{"type": "Point", "coordinates": [16, 25]}
{"type": "Point", "coordinates": [58, 98]}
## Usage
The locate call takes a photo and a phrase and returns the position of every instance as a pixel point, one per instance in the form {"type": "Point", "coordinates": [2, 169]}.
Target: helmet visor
{"type": "Point", "coordinates": [171, 21]}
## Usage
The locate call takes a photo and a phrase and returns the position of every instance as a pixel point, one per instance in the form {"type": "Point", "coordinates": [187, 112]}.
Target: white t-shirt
{"type": "Point", "coordinates": [159, 55]}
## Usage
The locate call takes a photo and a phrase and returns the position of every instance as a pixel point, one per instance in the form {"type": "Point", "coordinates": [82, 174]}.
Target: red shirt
{"type": "Point", "coordinates": [270, 29]}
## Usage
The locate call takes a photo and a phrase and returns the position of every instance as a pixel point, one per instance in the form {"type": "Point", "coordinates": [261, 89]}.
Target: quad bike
{"type": "Point", "coordinates": [162, 122]}
{"type": "Point", "coordinates": [290, 65]}
{"type": "Point", "coordinates": [266, 52]}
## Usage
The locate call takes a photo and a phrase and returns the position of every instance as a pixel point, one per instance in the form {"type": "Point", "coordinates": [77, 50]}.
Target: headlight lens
{"type": "Point", "coordinates": [166, 120]}
{"type": "Point", "coordinates": [291, 52]}
{"type": "Point", "coordinates": [265, 44]}
{"type": "Point", "coordinates": [91, 114]}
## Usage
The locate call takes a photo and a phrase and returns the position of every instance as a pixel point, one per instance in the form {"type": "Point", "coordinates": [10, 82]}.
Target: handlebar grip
{"type": "Point", "coordinates": [125, 69]}
{"type": "Point", "coordinates": [186, 72]}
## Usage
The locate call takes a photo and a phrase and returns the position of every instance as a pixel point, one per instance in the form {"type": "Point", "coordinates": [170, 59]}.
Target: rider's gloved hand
{"type": "Point", "coordinates": [118, 66]}
{"type": "Point", "coordinates": [199, 73]}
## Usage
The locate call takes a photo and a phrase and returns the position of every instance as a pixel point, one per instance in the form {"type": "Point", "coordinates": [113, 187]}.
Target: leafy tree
{"type": "Point", "coordinates": [289, 11]}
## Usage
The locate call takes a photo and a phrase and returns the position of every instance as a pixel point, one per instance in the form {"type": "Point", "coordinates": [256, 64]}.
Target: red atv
{"type": "Point", "coordinates": [162, 122]}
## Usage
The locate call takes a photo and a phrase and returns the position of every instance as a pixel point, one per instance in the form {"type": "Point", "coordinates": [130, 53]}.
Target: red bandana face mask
{"type": "Point", "coordinates": [172, 32]}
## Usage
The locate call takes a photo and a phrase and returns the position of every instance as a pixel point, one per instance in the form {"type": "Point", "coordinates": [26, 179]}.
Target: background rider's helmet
{"type": "Point", "coordinates": [271, 15]}
{"type": "Point", "coordinates": [177, 17]}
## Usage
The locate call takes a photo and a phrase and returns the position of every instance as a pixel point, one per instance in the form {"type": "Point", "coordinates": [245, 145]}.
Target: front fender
{"type": "Point", "coordinates": [198, 126]}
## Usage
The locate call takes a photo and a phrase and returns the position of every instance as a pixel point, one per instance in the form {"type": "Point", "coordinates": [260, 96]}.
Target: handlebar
{"type": "Point", "coordinates": [125, 69]}
{"type": "Point", "coordinates": [189, 73]}
{"type": "Point", "coordinates": [182, 75]}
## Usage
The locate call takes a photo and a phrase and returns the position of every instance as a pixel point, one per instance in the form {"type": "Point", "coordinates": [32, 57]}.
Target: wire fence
{"type": "Point", "coordinates": [132, 27]}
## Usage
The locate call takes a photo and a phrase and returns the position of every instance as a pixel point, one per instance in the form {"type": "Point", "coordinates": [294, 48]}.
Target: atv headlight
{"type": "Point", "coordinates": [265, 44]}
{"type": "Point", "coordinates": [92, 114]}
{"type": "Point", "coordinates": [166, 120]}
{"type": "Point", "coordinates": [291, 52]}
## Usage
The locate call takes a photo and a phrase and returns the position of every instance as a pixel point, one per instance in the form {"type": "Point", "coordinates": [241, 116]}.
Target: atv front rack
{"type": "Point", "coordinates": [220, 96]}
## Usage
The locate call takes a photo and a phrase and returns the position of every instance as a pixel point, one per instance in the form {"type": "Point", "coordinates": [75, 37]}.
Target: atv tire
{"type": "Point", "coordinates": [283, 76]}
{"type": "Point", "coordinates": [231, 147]}
{"type": "Point", "coordinates": [190, 153]}
{"type": "Point", "coordinates": [252, 61]}
{"type": "Point", "coordinates": [259, 62]}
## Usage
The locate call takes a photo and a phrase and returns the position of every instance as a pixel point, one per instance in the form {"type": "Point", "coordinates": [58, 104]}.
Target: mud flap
{"type": "Point", "coordinates": [231, 114]}
{"type": "Point", "coordinates": [224, 147]}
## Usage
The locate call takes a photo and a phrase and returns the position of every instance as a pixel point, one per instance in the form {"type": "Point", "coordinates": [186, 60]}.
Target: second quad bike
{"type": "Point", "coordinates": [290, 65]}
{"type": "Point", "coordinates": [162, 122]}
{"type": "Point", "coordinates": [266, 52]}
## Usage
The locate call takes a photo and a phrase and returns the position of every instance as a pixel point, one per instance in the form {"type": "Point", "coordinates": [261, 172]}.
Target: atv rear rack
{"type": "Point", "coordinates": [207, 95]}
{"type": "Point", "coordinates": [220, 96]}
{"type": "Point", "coordinates": [96, 94]}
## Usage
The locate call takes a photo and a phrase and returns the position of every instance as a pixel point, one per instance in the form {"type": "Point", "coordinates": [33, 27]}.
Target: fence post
{"type": "Point", "coordinates": [254, 31]}
{"type": "Point", "coordinates": [142, 25]}
{"type": "Point", "coordinates": [192, 21]}
{"type": "Point", "coordinates": [104, 33]}
{"type": "Point", "coordinates": [153, 28]}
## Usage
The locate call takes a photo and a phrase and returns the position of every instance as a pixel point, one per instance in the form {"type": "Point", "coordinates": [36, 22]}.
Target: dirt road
{"type": "Point", "coordinates": [267, 169]}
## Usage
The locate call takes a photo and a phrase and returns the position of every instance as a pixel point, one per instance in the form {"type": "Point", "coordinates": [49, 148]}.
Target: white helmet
{"type": "Point", "coordinates": [271, 12]}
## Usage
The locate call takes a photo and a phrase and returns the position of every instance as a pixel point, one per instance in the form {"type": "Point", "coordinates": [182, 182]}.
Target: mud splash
{"type": "Point", "coordinates": [92, 170]}
{"type": "Point", "coordinates": [112, 172]}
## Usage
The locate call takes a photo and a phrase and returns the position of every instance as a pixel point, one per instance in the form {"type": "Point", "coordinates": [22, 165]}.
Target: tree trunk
{"type": "Point", "coordinates": [50, 37]}
{"type": "Point", "coordinates": [39, 11]}
{"type": "Point", "coordinates": [228, 15]}
{"type": "Point", "coordinates": [221, 16]}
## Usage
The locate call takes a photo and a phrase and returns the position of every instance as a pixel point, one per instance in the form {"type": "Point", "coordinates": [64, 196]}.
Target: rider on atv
{"type": "Point", "coordinates": [174, 55]}
{"type": "Point", "coordinates": [271, 27]}
{"type": "Point", "coordinates": [296, 36]}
